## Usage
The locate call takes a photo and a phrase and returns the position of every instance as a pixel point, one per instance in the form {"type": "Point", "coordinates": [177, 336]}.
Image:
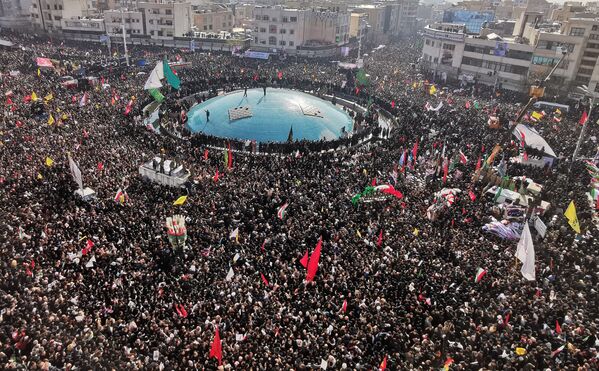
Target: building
{"type": "Point", "coordinates": [473, 20]}
{"type": "Point", "coordinates": [375, 17]}
{"type": "Point", "coordinates": [132, 19]}
{"type": "Point", "coordinates": [312, 33]}
{"type": "Point", "coordinates": [165, 20]}
{"type": "Point", "coordinates": [407, 19]}
{"type": "Point", "coordinates": [215, 18]}
{"type": "Point", "coordinates": [15, 14]}
{"type": "Point", "coordinates": [357, 25]}
{"type": "Point", "coordinates": [517, 62]}
{"type": "Point", "coordinates": [47, 15]}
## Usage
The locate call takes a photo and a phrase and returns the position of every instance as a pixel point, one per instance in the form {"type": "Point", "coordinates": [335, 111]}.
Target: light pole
{"type": "Point", "coordinates": [124, 36]}
{"type": "Point", "coordinates": [593, 98]}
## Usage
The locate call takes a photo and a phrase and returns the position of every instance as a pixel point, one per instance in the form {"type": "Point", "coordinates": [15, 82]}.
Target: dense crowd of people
{"type": "Point", "coordinates": [95, 284]}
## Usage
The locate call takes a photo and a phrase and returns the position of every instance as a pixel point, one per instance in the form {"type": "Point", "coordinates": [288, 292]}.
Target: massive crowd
{"type": "Point", "coordinates": [407, 281]}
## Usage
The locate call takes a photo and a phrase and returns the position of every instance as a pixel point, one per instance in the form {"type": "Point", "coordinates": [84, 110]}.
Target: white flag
{"type": "Point", "coordinates": [323, 364]}
{"type": "Point", "coordinates": [90, 263]}
{"type": "Point", "coordinates": [76, 172]}
{"type": "Point", "coordinates": [526, 254]}
{"type": "Point", "coordinates": [230, 274]}
{"type": "Point", "coordinates": [156, 75]}
{"type": "Point", "coordinates": [235, 233]}
{"type": "Point", "coordinates": [236, 258]}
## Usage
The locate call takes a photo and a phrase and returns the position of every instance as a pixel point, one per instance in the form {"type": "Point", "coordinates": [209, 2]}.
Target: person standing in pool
{"type": "Point", "coordinates": [245, 91]}
{"type": "Point", "coordinates": [264, 88]}
{"type": "Point", "coordinates": [207, 116]}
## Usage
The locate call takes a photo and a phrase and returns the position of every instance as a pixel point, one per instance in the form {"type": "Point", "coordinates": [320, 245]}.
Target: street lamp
{"type": "Point", "coordinates": [593, 97]}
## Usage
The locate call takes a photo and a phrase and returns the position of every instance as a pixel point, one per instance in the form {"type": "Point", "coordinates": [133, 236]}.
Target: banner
{"type": "Point", "coordinates": [75, 172]}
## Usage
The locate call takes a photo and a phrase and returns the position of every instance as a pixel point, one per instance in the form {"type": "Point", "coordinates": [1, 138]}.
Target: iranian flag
{"type": "Point", "coordinates": [480, 273]}
{"type": "Point", "coordinates": [282, 211]}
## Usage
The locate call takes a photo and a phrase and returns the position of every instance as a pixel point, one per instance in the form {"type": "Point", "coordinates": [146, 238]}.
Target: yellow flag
{"type": "Point", "coordinates": [558, 112]}
{"type": "Point", "coordinates": [33, 96]}
{"type": "Point", "coordinates": [49, 161]}
{"type": "Point", "coordinates": [51, 120]}
{"type": "Point", "coordinates": [180, 201]}
{"type": "Point", "coordinates": [536, 115]}
{"type": "Point", "coordinates": [64, 116]}
{"type": "Point", "coordinates": [570, 214]}
{"type": "Point", "coordinates": [39, 176]}
{"type": "Point", "coordinates": [520, 351]}
{"type": "Point", "coordinates": [49, 97]}
{"type": "Point", "coordinates": [38, 72]}
{"type": "Point", "coordinates": [415, 85]}
{"type": "Point", "coordinates": [416, 232]}
{"type": "Point", "coordinates": [358, 233]}
{"type": "Point", "coordinates": [432, 90]}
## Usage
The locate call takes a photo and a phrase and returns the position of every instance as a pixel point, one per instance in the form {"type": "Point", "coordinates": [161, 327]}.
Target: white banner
{"type": "Point", "coordinates": [540, 227]}
{"type": "Point", "coordinates": [76, 172]}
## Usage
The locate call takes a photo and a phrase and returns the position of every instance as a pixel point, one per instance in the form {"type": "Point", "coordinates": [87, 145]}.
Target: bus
{"type": "Point", "coordinates": [551, 106]}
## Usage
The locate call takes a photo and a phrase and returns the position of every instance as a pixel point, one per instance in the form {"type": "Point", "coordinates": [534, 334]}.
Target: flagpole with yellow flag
{"type": "Point", "coordinates": [180, 201]}
{"type": "Point", "coordinates": [570, 214]}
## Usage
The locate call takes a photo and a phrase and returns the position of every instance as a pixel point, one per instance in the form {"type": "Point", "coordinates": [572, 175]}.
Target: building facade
{"type": "Point", "coordinates": [215, 19]}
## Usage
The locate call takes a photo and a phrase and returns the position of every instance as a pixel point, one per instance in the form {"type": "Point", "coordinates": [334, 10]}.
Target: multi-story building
{"type": "Point", "coordinates": [47, 15]}
{"type": "Point", "coordinates": [515, 63]}
{"type": "Point", "coordinates": [215, 18]}
{"type": "Point", "coordinates": [375, 16]}
{"type": "Point", "coordinates": [132, 19]}
{"type": "Point", "coordinates": [407, 17]}
{"type": "Point", "coordinates": [311, 32]}
{"type": "Point", "coordinates": [165, 20]}
{"type": "Point", "coordinates": [357, 25]}
{"type": "Point", "coordinates": [14, 13]}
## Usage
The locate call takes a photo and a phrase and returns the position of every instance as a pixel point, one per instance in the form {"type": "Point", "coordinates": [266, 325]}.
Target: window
{"type": "Point", "coordinates": [262, 42]}
{"type": "Point", "coordinates": [477, 49]}
{"type": "Point", "coordinates": [291, 32]}
{"type": "Point", "coordinates": [168, 12]}
{"type": "Point", "coordinates": [209, 26]}
{"type": "Point", "coordinates": [291, 43]}
{"type": "Point", "coordinates": [591, 55]}
{"type": "Point", "coordinates": [293, 19]}
{"type": "Point", "coordinates": [594, 28]}
{"type": "Point", "coordinates": [553, 45]}
{"type": "Point", "coordinates": [592, 46]}
{"type": "Point", "coordinates": [282, 43]}
{"type": "Point", "coordinates": [585, 71]}
{"type": "Point", "coordinates": [258, 17]}
{"type": "Point", "coordinates": [285, 19]}
{"type": "Point", "coordinates": [274, 19]}
{"type": "Point", "coordinates": [594, 36]}
{"type": "Point", "coordinates": [547, 61]}
{"type": "Point", "coordinates": [283, 31]}
{"type": "Point", "coordinates": [585, 62]}
{"type": "Point", "coordinates": [272, 28]}
{"type": "Point", "coordinates": [60, 7]}
{"type": "Point", "coordinates": [224, 24]}
{"type": "Point", "coordinates": [262, 29]}
{"type": "Point", "coordinates": [272, 40]}
{"type": "Point", "coordinates": [55, 7]}
{"type": "Point", "coordinates": [159, 33]}
{"type": "Point", "coordinates": [582, 79]}
{"type": "Point", "coordinates": [57, 18]}
{"type": "Point", "coordinates": [577, 31]}
{"type": "Point", "coordinates": [256, 39]}
{"type": "Point", "coordinates": [427, 42]}
{"type": "Point", "coordinates": [265, 18]}
{"type": "Point", "coordinates": [449, 47]}
{"type": "Point", "coordinates": [205, 28]}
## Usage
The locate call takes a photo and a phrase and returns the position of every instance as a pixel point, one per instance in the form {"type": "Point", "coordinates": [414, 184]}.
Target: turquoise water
{"type": "Point", "coordinates": [272, 116]}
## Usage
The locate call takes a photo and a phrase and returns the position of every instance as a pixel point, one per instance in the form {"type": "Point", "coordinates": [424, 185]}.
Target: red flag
{"type": "Point", "coordinates": [538, 293]}
{"type": "Point", "coordinates": [206, 154]}
{"type": "Point", "coordinates": [472, 195]}
{"type": "Point", "coordinates": [255, 77]}
{"type": "Point", "coordinates": [525, 156]}
{"type": "Point", "coordinates": [344, 306]}
{"type": "Point", "coordinates": [478, 164]}
{"type": "Point", "coordinates": [8, 101]}
{"type": "Point", "coordinates": [18, 124]}
{"type": "Point", "coordinates": [183, 311]}
{"type": "Point", "coordinates": [100, 166]}
{"type": "Point", "coordinates": [215, 177]}
{"type": "Point", "coordinates": [229, 157]}
{"type": "Point", "coordinates": [467, 104]}
{"type": "Point", "coordinates": [583, 118]}
{"type": "Point", "coordinates": [357, 90]}
{"type": "Point", "coordinates": [392, 191]}
{"type": "Point", "coordinates": [463, 158]}
{"type": "Point", "coordinates": [280, 75]}
{"type": "Point", "coordinates": [87, 248]}
{"type": "Point", "coordinates": [263, 244]}
{"type": "Point", "coordinates": [558, 328]}
{"type": "Point", "coordinates": [445, 170]}
{"type": "Point", "coordinates": [264, 279]}
{"type": "Point", "coordinates": [506, 320]}
{"type": "Point", "coordinates": [380, 240]}
{"type": "Point", "coordinates": [216, 350]}
{"type": "Point", "coordinates": [304, 260]}
{"type": "Point", "coordinates": [383, 365]}
{"type": "Point", "coordinates": [373, 182]}
{"type": "Point", "coordinates": [392, 104]}
{"type": "Point", "coordinates": [415, 151]}
{"type": "Point", "coordinates": [313, 262]}
{"type": "Point", "coordinates": [129, 107]}
{"type": "Point", "coordinates": [74, 99]}
{"type": "Point", "coordinates": [102, 80]}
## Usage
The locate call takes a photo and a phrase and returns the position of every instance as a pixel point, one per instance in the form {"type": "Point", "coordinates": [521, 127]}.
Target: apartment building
{"type": "Point", "coordinates": [132, 19]}
{"type": "Point", "coordinates": [47, 15]}
{"type": "Point", "coordinates": [165, 20]}
{"type": "Point", "coordinates": [278, 28]}
{"type": "Point", "coordinates": [214, 18]}
{"type": "Point", "coordinates": [375, 17]}
{"type": "Point", "coordinates": [514, 63]}
{"type": "Point", "coordinates": [14, 13]}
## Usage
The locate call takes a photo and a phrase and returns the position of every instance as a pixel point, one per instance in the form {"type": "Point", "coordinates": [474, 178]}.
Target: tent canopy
{"type": "Point", "coordinates": [533, 139]}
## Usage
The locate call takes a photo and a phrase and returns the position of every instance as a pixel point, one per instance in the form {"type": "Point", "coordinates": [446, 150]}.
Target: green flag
{"type": "Point", "coordinates": [172, 79]}
{"type": "Point", "coordinates": [158, 97]}
{"type": "Point", "coordinates": [361, 77]}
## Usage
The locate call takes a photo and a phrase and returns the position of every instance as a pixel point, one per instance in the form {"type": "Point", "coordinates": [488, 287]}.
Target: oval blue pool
{"type": "Point", "coordinates": [269, 118]}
